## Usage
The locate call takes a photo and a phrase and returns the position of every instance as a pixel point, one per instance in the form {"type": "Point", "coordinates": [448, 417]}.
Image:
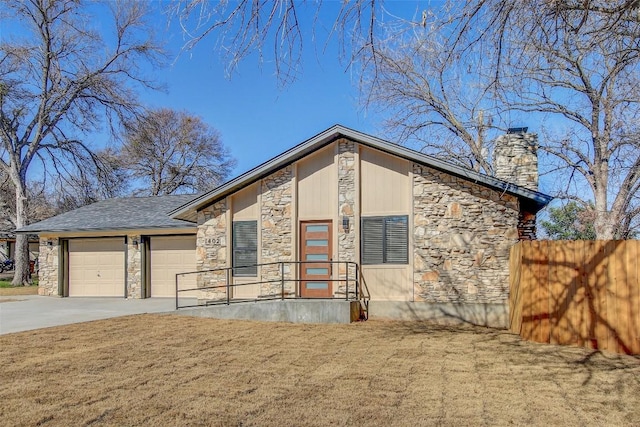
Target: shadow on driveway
{"type": "Point", "coordinates": [27, 312]}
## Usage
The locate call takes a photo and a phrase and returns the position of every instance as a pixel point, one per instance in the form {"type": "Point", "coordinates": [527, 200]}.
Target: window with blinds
{"type": "Point", "coordinates": [385, 240]}
{"type": "Point", "coordinates": [245, 248]}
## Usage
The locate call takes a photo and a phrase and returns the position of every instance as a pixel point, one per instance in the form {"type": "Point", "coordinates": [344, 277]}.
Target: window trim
{"type": "Point", "coordinates": [384, 219]}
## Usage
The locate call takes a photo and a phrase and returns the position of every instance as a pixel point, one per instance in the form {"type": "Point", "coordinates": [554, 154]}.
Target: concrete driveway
{"type": "Point", "coordinates": [26, 312]}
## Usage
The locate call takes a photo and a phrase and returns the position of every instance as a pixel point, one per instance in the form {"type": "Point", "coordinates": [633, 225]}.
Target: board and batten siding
{"type": "Point", "coordinates": [386, 189]}
{"type": "Point", "coordinates": [316, 182]}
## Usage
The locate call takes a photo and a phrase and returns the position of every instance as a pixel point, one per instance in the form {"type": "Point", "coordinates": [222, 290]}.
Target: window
{"type": "Point", "coordinates": [245, 248]}
{"type": "Point", "coordinates": [385, 240]}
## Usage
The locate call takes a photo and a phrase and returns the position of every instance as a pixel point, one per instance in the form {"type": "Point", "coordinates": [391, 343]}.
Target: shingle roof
{"type": "Point", "coordinates": [534, 199]}
{"type": "Point", "coordinates": [117, 214]}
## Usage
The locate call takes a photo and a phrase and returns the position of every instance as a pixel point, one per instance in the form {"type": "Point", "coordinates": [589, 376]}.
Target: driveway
{"type": "Point", "coordinates": [27, 312]}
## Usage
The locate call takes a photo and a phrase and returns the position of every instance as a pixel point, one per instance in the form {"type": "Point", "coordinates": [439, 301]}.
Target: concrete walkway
{"type": "Point", "coordinates": [27, 312]}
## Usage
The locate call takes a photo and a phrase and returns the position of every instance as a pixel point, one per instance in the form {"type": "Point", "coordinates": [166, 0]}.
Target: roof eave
{"type": "Point", "coordinates": [103, 229]}
{"type": "Point", "coordinates": [260, 171]}
{"type": "Point", "coordinates": [539, 200]}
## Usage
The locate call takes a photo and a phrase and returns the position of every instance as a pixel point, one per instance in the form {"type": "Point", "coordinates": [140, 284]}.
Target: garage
{"type": "Point", "coordinates": [171, 255]}
{"type": "Point", "coordinates": [96, 267]}
{"type": "Point", "coordinates": [123, 247]}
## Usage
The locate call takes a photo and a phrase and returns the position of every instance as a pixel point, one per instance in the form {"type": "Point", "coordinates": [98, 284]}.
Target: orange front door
{"type": "Point", "coordinates": [315, 247]}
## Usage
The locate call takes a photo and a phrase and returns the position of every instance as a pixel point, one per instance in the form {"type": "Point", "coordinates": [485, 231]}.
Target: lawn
{"type": "Point", "coordinates": [177, 370]}
{"type": "Point", "coordinates": [7, 290]}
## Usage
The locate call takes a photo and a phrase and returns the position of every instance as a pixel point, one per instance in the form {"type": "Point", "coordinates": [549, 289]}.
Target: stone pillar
{"type": "Point", "coordinates": [515, 159]}
{"type": "Point", "coordinates": [347, 207]}
{"type": "Point", "coordinates": [211, 250]}
{"type": "Point", "coordinates": [134, 266]}
{"type": "Point", "coordinates": [276, 223]}
{"type": "Point", "coordinates": [48, 262]}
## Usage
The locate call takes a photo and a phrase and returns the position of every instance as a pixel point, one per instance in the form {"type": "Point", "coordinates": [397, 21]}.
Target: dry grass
{"type": "Point", "coordinates": [19, 290]}
{"type": "Point", "coordinates": [173, 370]}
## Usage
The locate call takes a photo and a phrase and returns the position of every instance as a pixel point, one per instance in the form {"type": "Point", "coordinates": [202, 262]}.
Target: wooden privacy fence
{"type": "Point", "coordinates": [584, 293]}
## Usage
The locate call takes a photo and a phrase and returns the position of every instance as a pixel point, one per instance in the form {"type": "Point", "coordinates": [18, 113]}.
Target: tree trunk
{"type": "Point", "coordinates": [604, 224]}
{"type": "Point", "coordinates": [21, 276]}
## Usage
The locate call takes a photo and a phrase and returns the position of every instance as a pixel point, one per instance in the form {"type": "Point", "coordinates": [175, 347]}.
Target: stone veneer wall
{"type": "Point", "coordinates": [48, 262]}
{"type": "Point", "coordinates": [276, 223]}
{"type": "Point", "coordinates": [462, 235]}
{"type": "Point", "coordinates": [134, 267]}
{"type": "Point", "coordinates": [211, 249]}
{"type": "Point", "coordinates": [516, 160]}
{"type": "Point", "coordinates": [346, 203]}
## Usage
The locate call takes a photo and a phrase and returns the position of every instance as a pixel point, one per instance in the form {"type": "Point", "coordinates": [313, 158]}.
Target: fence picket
{"type": "Point", "coordinates": [584, 293]}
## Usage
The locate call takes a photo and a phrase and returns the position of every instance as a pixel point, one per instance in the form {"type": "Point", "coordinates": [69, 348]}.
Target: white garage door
{"type": "Point", "coordinates": [171, 255]}
{"type": "Point", "coordinates": [96, 267]}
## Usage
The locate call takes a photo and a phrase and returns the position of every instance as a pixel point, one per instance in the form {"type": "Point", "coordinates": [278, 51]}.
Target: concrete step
{"type": "Point", "coordinates": [294, 311]}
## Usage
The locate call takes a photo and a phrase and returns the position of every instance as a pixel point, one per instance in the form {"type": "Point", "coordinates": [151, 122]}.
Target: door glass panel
{"type": "Point", "coordinates": [317, 242]}
{"type": "Point", "coordinates": [318, 271]}
{"type": "Point", "coordinates": [317, 257]}
{"type": "Point", "coordinates": [317, 285]}
{"type": "Point", "coordinates": [317, 228]}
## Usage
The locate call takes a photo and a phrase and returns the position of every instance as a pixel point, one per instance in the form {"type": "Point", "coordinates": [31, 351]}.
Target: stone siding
{"type": "Point", "coordinates": [211, 249]}
{"type": "Point", "coordinates": [48, 263]}
{"type": "Point", "coordinates": [516, 159]}
{"type": "Point", "coordinates": [347, 208]}
{"type": "Point", "coordinates": [276, 223]}
{"type": "Point", "coordinates": [134, 267]}
{"type": "Point", "coordinates": [462, 235]}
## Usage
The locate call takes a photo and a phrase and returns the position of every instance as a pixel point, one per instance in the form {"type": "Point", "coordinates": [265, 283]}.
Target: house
{"type": "Point", "coordinates": [425, 238]}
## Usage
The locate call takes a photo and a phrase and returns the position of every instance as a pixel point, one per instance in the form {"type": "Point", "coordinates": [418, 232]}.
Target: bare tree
{"type": "Point", "coordinates": [439, 101]}
{"type": "Point", "coordinates": [7, 213]}
{"type": "Point", "coordinates": [275, 28]}
{"type": "Point", "coordinates": [60, 78]}
{"type": "Point", "coordinates": [573, 64]}
{"type": "Point", "coordinates": [174, 152]}
{"type": "Point", "coordinates": [87, 179]}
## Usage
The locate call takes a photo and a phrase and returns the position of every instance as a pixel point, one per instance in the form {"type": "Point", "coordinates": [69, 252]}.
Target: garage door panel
{"type": "Point", "coordinates": [171, 255]}
{"type": "Point", "coordinates": [96, 267]}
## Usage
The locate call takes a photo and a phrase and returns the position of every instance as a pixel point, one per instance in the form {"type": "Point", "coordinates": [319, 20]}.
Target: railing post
{"type": "Point", "coordinates": [282, 279]}
{"type": "Point", "coordinates": [357, 283]}
{"type": "Point", "coordinates": [228, 286]}
{"type": "Point", "coordinates": [346, 267]}
{"type": "Point", "coordinates": [176, 291]}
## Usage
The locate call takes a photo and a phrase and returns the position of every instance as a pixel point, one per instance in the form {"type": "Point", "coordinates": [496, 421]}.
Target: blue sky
{"type": "Point", "coordinates": [256, 118]}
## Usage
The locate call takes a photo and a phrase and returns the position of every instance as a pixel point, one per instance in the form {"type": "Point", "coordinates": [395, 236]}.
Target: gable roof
{"type": "Point", "coordinates": [117, 214]}
{"type": "Point", "coordinates": [533, 199]}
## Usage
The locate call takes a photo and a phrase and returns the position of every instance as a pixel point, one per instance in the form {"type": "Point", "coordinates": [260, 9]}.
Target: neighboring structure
{"type": "Point", "coordinates": [8, 245]}
{"type": "Point", "coordinates": [431, 239]}
{"type": "Point", "coordinates": [125, 247]}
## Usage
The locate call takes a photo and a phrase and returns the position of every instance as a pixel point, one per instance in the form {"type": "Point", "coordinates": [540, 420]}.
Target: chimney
{"type": "Point", "coordinates": [515, 158]}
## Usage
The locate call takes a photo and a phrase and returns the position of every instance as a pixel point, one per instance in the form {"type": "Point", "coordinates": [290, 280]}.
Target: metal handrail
{"type": "Point", "coordinates": [229, 285]}
{"type": "Point", "coordinates": [364, 295]}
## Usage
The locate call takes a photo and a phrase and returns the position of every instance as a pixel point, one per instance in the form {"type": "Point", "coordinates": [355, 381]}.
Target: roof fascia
{"type": "Point", "coordinates": [261, 170]}
{"type": "Point", "coordinates": [538, 199]}
{"type": "Point", "coordinates": [101, 229]}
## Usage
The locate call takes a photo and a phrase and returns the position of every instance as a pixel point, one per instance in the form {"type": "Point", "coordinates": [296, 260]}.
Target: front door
{"type": "Point", "coordinates": [315, 247]}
